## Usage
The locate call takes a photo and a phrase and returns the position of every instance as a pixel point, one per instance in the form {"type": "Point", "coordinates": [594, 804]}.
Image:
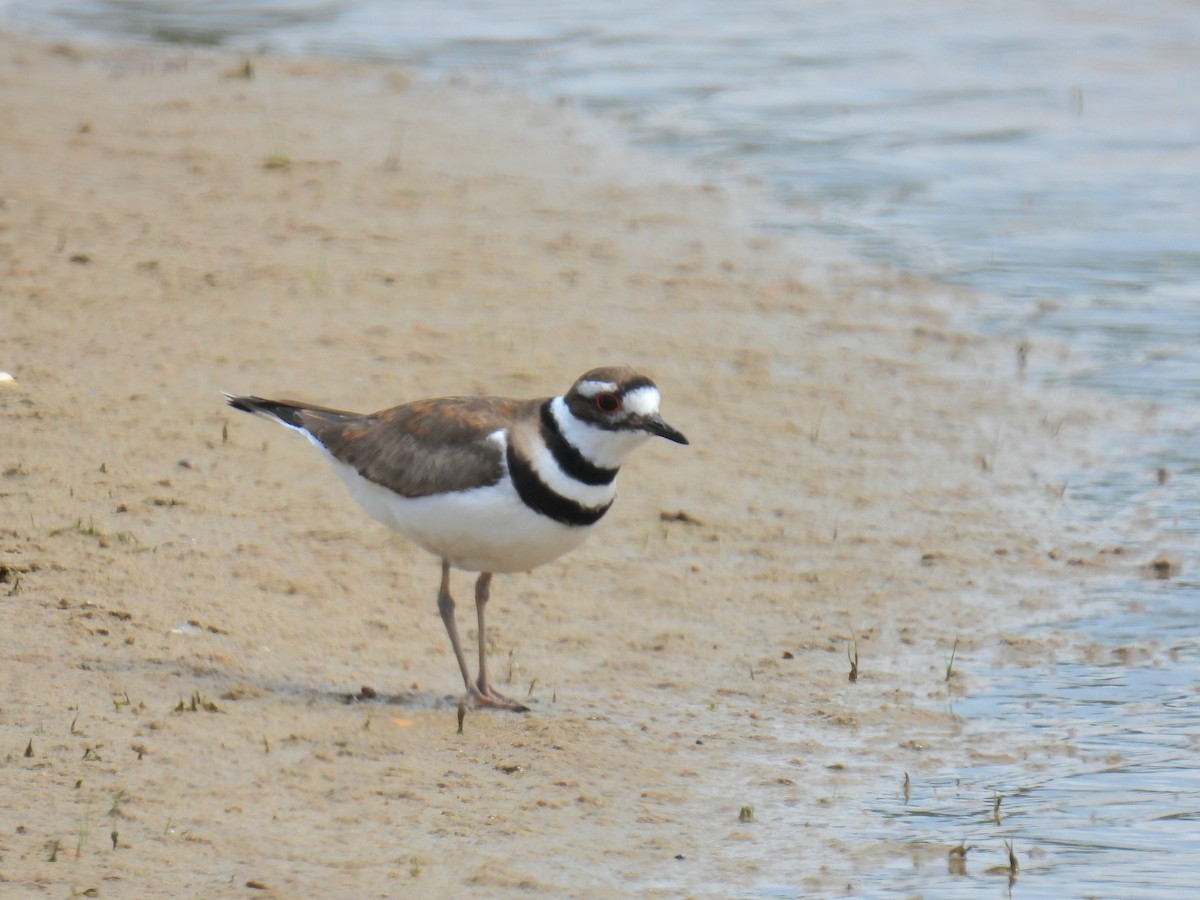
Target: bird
{"type": "Point", "coordinates": [486, 484]}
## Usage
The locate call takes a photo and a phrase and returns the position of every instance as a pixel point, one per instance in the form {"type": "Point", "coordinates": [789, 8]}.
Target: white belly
{"type": "Point", "coordinates": [483, 530]}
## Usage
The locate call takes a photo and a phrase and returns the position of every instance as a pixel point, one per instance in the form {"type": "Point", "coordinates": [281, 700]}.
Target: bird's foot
{"type": "Point", "coordinates": [486, 698]}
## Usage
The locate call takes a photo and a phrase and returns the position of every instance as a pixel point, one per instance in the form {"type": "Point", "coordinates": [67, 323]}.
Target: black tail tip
{"type": "Point", "coordinates": [245, 404]}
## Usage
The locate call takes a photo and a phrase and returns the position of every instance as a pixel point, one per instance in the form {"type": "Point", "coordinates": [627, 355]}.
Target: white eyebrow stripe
{"type": "Point", "coordinates": [592, 388]}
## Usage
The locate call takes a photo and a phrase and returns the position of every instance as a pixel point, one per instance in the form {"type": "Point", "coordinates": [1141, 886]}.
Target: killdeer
{"type": "Point", "coordinates": [486, 484]}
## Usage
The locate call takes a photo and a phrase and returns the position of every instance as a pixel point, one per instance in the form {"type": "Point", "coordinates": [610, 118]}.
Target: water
{"type": "Point", "coordinates": [1047, 153]}
{"type": "Point", "coordinates": [1044, 153]}
{"type": "Point", "coordinates": [1103, 802]}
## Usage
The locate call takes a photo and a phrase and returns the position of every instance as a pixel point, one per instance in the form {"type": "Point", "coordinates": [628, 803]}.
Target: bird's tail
{"type": "Point", "coordinates": [286, 412]}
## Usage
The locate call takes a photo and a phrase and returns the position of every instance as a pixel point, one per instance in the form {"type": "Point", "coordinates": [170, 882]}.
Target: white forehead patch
{"type": "Point", "coordinates": [642, 401]}
{"type": "Point", "coordinates": [592, 388]}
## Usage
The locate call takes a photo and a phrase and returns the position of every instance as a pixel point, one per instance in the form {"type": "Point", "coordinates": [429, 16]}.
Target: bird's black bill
{"type": "Point", "coordinates": [657, 426]}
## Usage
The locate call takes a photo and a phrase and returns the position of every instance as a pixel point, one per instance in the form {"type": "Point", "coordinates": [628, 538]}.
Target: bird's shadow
{"type": "Point", "coordinates": [414, 700]}
{"type": "Point", "coordinates": [229, 685]}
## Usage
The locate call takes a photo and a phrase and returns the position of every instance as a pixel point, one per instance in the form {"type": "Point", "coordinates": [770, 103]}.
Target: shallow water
{"type": "Point", "coordinates": [1046, 154]}
{"type": "Point", "coordinates": [1043, 152]}
{"type": "Point", "coordinates": [1105, 799]}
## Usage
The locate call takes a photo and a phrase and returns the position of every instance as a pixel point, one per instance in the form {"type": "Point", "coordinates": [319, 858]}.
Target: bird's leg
{"type": "Point", "coordinates": [446, 608]}
{"type": "Point", "coordinates": [483, 694]}
{"type": "Point", "coordinates": [480, 694]}
{"type": "Point", "coordinates": [483, 587]}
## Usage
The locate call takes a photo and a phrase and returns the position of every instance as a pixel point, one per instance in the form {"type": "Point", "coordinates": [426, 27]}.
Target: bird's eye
{"type": "Point", "coordinates": [608, 402]}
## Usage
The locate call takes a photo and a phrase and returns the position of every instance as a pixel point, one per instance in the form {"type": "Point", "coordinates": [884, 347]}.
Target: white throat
{"type": "Point", "coordinates": [607, 449]}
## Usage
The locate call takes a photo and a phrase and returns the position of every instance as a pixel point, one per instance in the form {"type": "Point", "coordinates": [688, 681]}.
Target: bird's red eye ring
{"type": "Point", "coordinates": [608, 402]}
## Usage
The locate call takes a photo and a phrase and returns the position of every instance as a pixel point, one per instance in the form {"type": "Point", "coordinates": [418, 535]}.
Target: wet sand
{"type": "Point", "coordinates": [191, 603]}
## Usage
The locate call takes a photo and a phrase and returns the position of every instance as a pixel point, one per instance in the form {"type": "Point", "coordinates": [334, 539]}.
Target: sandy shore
{"type": "Point", "coordinates": [189, 599]}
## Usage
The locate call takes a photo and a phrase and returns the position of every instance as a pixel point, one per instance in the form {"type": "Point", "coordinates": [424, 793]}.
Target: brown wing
{"type": "Point", "coordinates": [421, 448]}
